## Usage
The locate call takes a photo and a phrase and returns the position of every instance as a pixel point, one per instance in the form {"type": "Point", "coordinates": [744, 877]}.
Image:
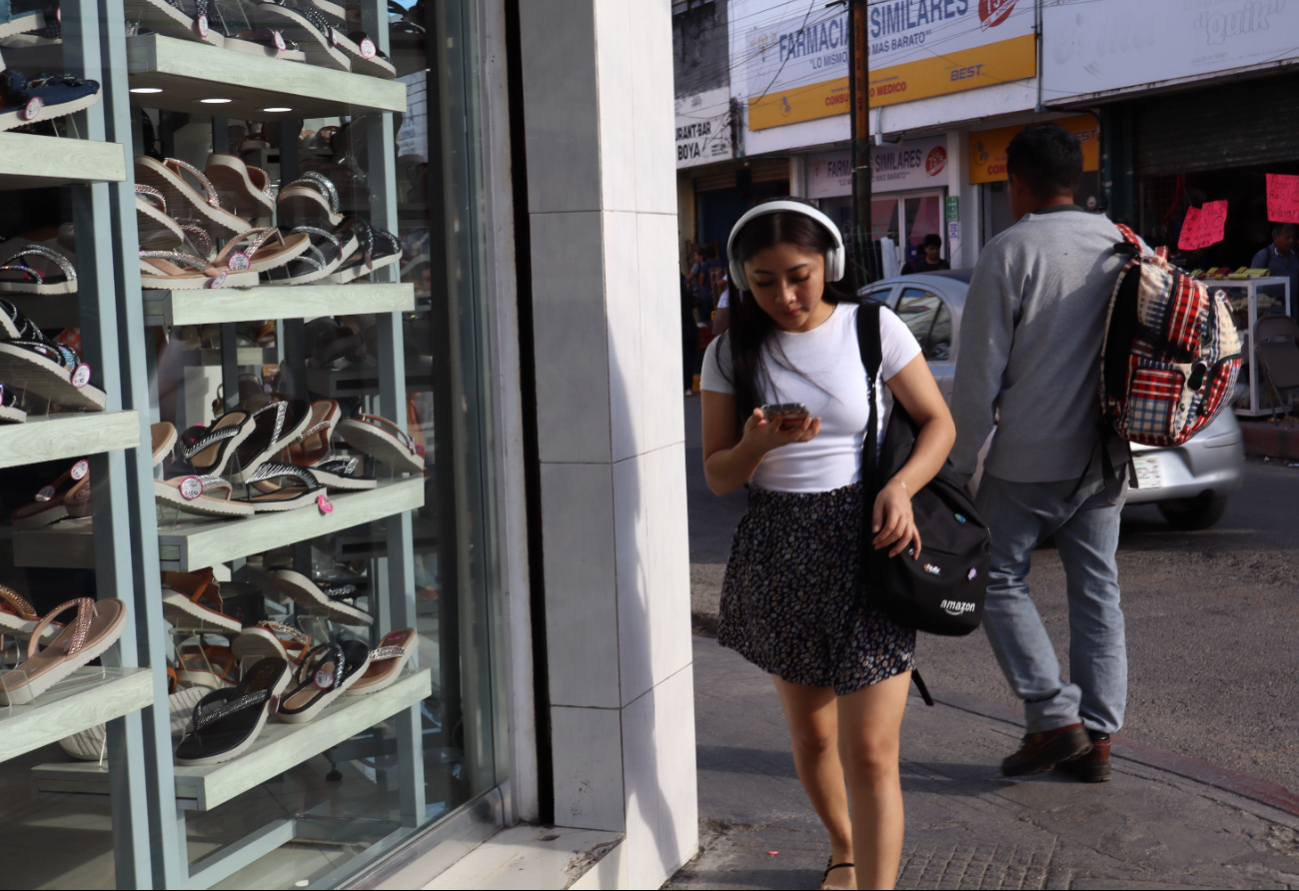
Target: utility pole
{"type": "Point", "coordinates": [859, 113]}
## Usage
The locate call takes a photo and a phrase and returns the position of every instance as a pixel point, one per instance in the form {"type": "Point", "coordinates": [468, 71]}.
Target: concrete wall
{"type": "Point", "coordinates": [598, 111]}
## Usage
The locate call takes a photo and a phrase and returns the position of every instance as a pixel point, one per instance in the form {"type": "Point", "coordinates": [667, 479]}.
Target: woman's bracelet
{"type": "Point", "coordinates": [901, 482]}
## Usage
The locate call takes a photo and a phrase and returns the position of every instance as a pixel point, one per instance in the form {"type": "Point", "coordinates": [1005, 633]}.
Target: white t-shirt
{"type": "Point", "coordinates": [831, 382]}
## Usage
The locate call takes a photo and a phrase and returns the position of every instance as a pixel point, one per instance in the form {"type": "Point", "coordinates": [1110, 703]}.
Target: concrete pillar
{"type": "Point", "coordinates": [599, 117]}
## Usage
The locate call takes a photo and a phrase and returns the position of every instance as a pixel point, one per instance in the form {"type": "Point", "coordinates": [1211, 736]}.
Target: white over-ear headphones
{"type": "Point", "coordinates": [834, 258]}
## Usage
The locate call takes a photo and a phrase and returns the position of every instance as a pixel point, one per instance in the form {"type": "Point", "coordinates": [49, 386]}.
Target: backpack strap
{"type": "Point", "coordinates": [872, 357]}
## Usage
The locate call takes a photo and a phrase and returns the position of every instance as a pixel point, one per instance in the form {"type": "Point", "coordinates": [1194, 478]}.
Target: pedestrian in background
{"type": "Point", "coordinates": [790, 600]}
{"type": "Point", "coordinates": [701, 275]}
{"type": "Point", "coordinates": [930, 258]}
{"type": "Point", "coordinates": [1030, 340]}
{"type": "Point", "coordinates": [1282, 261]}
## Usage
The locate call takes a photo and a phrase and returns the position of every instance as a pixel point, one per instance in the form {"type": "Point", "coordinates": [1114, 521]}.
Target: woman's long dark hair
{"type": "Point", "coordinates": [750, 327]}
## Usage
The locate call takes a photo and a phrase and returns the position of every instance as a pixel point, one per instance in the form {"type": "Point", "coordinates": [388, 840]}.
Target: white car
{"type": "Point", "coordinates": [1191, 484]}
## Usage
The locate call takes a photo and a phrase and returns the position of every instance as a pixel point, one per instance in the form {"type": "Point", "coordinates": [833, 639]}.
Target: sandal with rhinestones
{"type": "Point", "coordinates": [326, 254]}
{"type": "Point", "coordinates": [156, 229]}
{"type": "Point", "coordinates": [192, 600]}
{"type": "Point", "coordinates": [275, 424]}
{"type": "Point", "coordinates": [378, 248]}
{"type": "Point", "coordinates": [311, 200]}
{"type": "Point", "coordinates": [161, 271]}
{"type": "Point", "coordinates": [97, 627]}
{"type": "Point", "coordinates": [386, 662]}
{"type": "Point", "coordinates": [167, 177]}
{"type": "Point", "coordinates": [304, 24]}
{"type": "Point", "coordinates": [227, 722]}
{"type": "Point", "coordinates": [19, 275]}
{"type": "Point", "coordinates": [322, 598]}
{"type": "Point", "coordinates": [383, 440]}
{"type": "Point", "coordinates": [325, 674]}
{"type": "Point", "coordinates": [271, 639]}
{"type": "Point", "coordinates": [10, 413]}
{"type": "Point", "coordinates": [262, 250]}
{"type": "Point", "coordinates": [365, 56]}
{"type": "Point", "coordinates": [189, 492]}
{"type": "Point", "coordinates": [298, 487]}
{"type": "Point", "coordinates": [51, 370]}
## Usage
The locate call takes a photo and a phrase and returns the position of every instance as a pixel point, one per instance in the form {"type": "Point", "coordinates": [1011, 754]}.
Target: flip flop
{"type": "Point", "coordinates": [167, 177]}
{"type": "Point", "coordinates": [377, 248]}
{"type": "Point", "coordinates": [325, 674]}
{"type": "Point", "coordinates": [189, 494]}
{"type": "Point", "coordinates": [159, 271]}
{"type": "Point", "coordinates": [97, 627]}
{"type": "Point", "coordinates": [275, 497]}
{"type": "Point", "coordinates": [275, 425]}
{"type": "Point", "coordinates": [327, 252]}
{"type": "Point", "coordinates": [31, 361]}
{"type": "Point", "coordinates": [271, 639]}
{"type": "Point", "coordinates": [192, 600]}
{"type": "Point", "coordinates": [256, 255]}
{"type": "Point", "coordinates": [251, 186]}
{"type": "Point", "coordinates": [227, 722]}
{"type": "Point", "coordinates": [380, 438]}
{"type": "Point", "coordinates": [386, 662]}
{"type": "Point", "coordinates": [831, 866]}
{"type": "Point", "coordinates": [63, 280]}
{"type": "Point", "coordinates": [310, 596]}
{"type": "Point", "coordinates": [10, 413]}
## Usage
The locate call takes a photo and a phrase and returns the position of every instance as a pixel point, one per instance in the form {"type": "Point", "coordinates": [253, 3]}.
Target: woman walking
{"type": "Point", "coordinates": [790, 603]}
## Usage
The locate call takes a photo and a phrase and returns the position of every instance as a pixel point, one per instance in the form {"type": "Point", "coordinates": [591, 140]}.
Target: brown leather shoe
{"type": "Point", "coordinates": [1043, 751]}
{"type": "Point", "coordinates": [1094, 767]}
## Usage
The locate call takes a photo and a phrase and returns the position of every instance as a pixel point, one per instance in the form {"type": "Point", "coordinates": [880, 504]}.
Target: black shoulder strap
{"type": "Point", "coordinates": [872, 357]}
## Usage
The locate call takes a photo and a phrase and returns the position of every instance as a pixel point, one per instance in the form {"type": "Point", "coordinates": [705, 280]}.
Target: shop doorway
{"type": "Point", "coordinates": [720, 208]}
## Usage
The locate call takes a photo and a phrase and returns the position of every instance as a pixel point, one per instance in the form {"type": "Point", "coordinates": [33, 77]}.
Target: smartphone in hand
{"type": "Point", "coordinates": [787, 414]}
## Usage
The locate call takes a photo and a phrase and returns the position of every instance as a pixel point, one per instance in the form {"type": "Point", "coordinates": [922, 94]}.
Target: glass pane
{"type": "Point", "coordinates": [930, 321]}
{"type": "Point", "coordinates": [924, 216]}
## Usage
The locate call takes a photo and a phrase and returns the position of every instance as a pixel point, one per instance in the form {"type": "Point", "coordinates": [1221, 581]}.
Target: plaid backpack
{"type": "Point", "coordinates": [1171, 352]}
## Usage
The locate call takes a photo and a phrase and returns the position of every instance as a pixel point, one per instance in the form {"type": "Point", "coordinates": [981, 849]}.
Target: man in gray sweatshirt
{"type": "Point", "coordinates": [1029, 357]}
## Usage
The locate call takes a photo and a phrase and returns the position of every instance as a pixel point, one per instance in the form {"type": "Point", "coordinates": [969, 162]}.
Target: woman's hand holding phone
{"type": "Point", "coordinates": [766, 435]}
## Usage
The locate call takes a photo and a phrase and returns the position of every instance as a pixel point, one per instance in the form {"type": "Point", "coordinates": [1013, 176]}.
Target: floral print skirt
{"type": "Point", "coordinates": [789, 600]}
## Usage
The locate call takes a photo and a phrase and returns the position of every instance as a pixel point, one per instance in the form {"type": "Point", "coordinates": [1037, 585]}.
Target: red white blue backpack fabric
{"type": "Point", "coordinates": [1171, 353]}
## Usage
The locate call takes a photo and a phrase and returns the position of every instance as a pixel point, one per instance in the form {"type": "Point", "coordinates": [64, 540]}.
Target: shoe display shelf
{"type": "Point", "coordinates": [245, 356]}
{"type": "Point", "coordinates": [186, 72]}
{"type": "Point", "coordinates": [192, 544]}
{"type": "Point", "coordinates": [28, 161]}
{"type": "Point", "coordinates": [89, 696]}
{"type": "Point", "coordinates": [280, 747]}
{"type": "Point", "coordinates": [363, 381]}
{"type": "Point", "coordinates": [201, 307]}
{"type": "Point", "coordinates": [67, 435]}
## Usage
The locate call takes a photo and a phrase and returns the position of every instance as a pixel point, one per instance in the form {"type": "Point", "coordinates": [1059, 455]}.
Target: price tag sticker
{"type": "Point", "coordinates": [81, 375]}
{"type": "Point", "coordinates": [239, 261]}
{"type": "Point", "coordinates": [34, 106]}
{"type": "Point", "coordinates": [368, 50]}
{"type": "Point", "coordinates": [191, 487]}
{"type": "Point", "coordinates": [333, 36]}
{"type": "Point", "coordinates": [218, 281]}
{"type": "Point", "coordinates": [45, 494]}
{"type": "Point", "coordinates": [201, 21]}
{"type": "Point", "coordinates": [279, 41]}
{"type": "Point", "coordinates": [325, 505]}
{"type": "Point", "coordinates": [324, 679]}
{"type": "Point", "coordinates": [80, 469]}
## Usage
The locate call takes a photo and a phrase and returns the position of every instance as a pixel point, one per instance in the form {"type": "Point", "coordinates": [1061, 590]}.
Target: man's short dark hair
{"type": "Point", "coordinates": [932, 238]}
{"type": "Point", "coordinates": [710, 252]}
{"type": "Point", "coordinates": [1048, 158]}
{"type": "Point", "coordinates": [1282, 227]}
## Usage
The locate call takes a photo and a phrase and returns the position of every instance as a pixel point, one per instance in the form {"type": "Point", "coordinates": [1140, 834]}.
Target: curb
{"type": "Point", "coordinates": [1262, 791]}
{"type": "Point", "coordinates": [1271, 440]}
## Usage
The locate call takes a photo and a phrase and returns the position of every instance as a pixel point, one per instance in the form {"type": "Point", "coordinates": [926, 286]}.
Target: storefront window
{"type": "Point", "coordinates": [245, 430]}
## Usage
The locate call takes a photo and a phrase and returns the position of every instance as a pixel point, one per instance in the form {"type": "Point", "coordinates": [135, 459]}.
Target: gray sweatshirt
{"type": "Point", "coordinates": [1031, 337]}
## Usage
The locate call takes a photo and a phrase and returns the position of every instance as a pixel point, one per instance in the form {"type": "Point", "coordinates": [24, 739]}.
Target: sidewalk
{"type": "Point", "coordinates": [1163, 822]}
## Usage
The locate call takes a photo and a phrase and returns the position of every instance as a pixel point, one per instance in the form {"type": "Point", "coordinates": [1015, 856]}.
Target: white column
{"type": "Point", "coordinates": [798, 176]}
{"type": "Point", "coordinates": [599, 117]}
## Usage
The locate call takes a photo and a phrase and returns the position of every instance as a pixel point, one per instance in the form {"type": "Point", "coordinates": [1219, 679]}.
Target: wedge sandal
{"type": "Point", "coordinates": [24, 102]}
{"type": "Point", "coordinates": [365, 56]}
{"type": "Point", "coordinates": [327, 252]}
{"type": "Point", "coordinates": [305, 25]}
{"type": "Point", "coordinates": [227, 722]}
{"type": "Point", "coordinates": [192, 600]}
{"type": "Point", "coordinates": [16, 614]}
{"type": "Point", "coordinates": [310, 200]}
{"type": "Point", "coordinates": [343, 474]}
{"type": "Point", "coordinates": [376, 249]}
{"type": "Point", "coordinates": [167, 177]}
{"type": "Point", "coordinates": [251, 187]}
{"type": "Point", "coordinates": [205, 451]}
{"type": "Point", "coordinates": [275, 425]}
{"type": "Point", "coordinates": [262, 250]}
{"type": "Point", "coordinates": [202, 496]}
{"type": "Point", "coordinates": [156, 229]}
{"type": "Point", "coordinates": [325, 674]}
{"type": "Point", "coordinates": [161, 270]}
{"type": "Point", "coordinates": [97, 627]}
{"type": "Point", "coordinates": [10, 413]}
{"type": "Point", "coordinates": [386, 662]}
{"type": "Point", "coordinates": [170, 19]}
{"type": "Point", "coordinates": [18, 275]}
{"type": "Point", "coordinates": [272, 496]}
{"type": "Point", "coordinates": [21, 20]}
{"type": "Point", "coordinates": [312, 445]}
{"type": "Point", "coordinates": [61, 498]}
{"type": "Point", "coordinates": [383, 440]}
{"type": "Point", "coordinates": [313, 598]}
{"type": "Point", "coordinates": [206, 665]}
{"type": "Point", "coordinates": [271, 639]}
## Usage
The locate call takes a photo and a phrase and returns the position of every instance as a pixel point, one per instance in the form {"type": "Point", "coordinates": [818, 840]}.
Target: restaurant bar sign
{"type": "Point", "coordinates": [923, 48]}
{"type": "Point", "coordinates": [798, 69]}
{"type": "Point", "coordinates": [703, 128]}
{"type": "Point", "coordinates": [914, 164]}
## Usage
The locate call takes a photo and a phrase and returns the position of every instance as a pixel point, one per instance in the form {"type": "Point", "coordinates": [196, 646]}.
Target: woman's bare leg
{"type": "Point", "coordinates": [870, 727]}
{"type": "Point", "coordinates": [811, 714]}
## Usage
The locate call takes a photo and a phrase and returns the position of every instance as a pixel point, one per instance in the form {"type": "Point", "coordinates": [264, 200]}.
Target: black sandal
{"type": "Point", "coordinates": [831, 866]}
{"type": "Point", "coordinates": [226, 722]}
{"type": "Point", "coordinates": [324, 674]}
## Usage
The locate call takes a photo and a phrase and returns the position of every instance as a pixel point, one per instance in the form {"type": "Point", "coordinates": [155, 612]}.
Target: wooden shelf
{"type": "Point", "coordinates": [31, 162]}
{"type": "Point", "coordinates": [275, 302]}
{"type": "Point", "coordinates": [77, 703]}
{"type": "Point", "coordinates": [187, 71]}
{"type": "Point", "coordinates": [67, 435]}
{"type": "Point", "coordinates": [279, 748]}
{"type": "Point", "coordinates": [196, 544]}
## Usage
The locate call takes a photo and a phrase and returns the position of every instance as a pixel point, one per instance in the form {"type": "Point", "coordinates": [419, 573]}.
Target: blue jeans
{"type": "Point", "coordinates": [1021, 516]}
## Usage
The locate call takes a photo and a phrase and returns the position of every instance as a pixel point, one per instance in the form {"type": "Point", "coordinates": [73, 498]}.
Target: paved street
{"type": "Point", "coordinates": [1211, 621]}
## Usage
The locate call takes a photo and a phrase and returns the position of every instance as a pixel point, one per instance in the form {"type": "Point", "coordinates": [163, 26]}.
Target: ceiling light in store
{"type": "Point", "coordinates": [278, 109]}
{"type": "Point", "coordinates": [146, 89]}
{"type": "Point", "coordinates": [215, 101]}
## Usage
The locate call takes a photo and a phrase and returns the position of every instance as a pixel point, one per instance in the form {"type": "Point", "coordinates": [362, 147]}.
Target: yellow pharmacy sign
{"type": "Point", "coordinates": [794, 104]}
{"type": "Point", "coordinates": [952, 72]}
{"type": "Point", "coordinates": [988, 147]}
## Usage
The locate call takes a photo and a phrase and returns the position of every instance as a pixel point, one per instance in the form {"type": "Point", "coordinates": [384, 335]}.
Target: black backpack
{"type": "Point", "coordinates": [942, 592]}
